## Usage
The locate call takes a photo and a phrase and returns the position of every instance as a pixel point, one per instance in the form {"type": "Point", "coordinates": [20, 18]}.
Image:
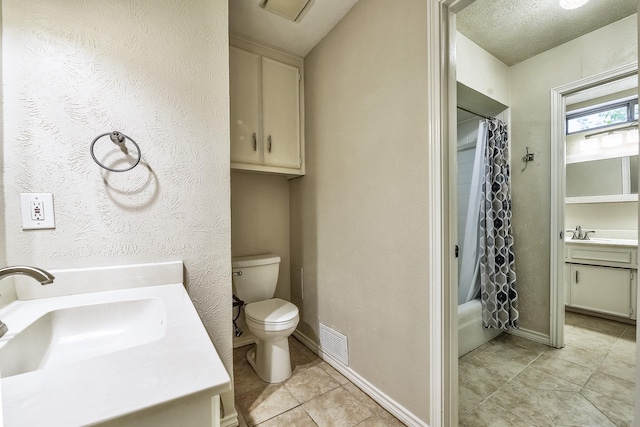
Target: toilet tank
{"type": "Point", "coordinates": [255, 277]}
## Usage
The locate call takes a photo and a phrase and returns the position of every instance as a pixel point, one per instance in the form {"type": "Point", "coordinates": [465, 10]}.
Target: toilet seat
{"type": "Point", "coordinates": [272, 313]}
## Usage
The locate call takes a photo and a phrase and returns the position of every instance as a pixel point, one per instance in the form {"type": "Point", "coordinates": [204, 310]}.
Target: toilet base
{"type": "Point", "coordinates": [272, 361]}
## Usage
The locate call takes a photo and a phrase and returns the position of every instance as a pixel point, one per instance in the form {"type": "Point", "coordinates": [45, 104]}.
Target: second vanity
{"type": "Point", "coordinates": [601, 276]}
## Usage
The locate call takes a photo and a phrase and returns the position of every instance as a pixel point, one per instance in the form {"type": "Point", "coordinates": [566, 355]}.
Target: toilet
{"type": "Point", "coordinates": [270, 320]}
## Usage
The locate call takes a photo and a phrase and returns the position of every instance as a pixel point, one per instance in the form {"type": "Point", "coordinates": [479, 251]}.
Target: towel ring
{"type": "Point", "coordinates": [119, 139]}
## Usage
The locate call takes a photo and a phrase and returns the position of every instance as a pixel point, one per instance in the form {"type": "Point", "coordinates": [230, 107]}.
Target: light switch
{"type": "Point", "coordinates": [37, 211]}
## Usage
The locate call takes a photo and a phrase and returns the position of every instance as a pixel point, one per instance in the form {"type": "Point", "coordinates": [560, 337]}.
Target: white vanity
{"type": "Point", "coordinates": [601, 276]}
{"type": "Point", "coordinates": [114, 347]}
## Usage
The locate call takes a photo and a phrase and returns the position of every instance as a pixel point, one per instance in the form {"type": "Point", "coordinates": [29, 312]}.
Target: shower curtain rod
{"type": "Point", "coordinates": [474, 113]}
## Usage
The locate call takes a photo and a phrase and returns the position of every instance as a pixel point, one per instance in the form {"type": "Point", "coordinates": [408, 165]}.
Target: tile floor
{"type": "Point", "coordinates": [315, 395]}
{"type": "Point", "coordinates": [511, 381]}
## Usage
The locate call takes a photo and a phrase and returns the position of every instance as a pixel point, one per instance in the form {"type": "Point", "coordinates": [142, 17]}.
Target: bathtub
{"type": "Point", "coordinates": [471, 334]}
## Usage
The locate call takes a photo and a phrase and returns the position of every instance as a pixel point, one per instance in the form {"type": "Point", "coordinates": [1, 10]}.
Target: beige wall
{"type": "Point", "coordinates": [157, 71]}
{"type": "Point", "coordinates": [531, 81]}
{"type": "Point", "coordinates": [260, 220]}
{"type": "Point", "coordinates": [602, 216]}
{"type": "Point", "coordinates": [359, 217]}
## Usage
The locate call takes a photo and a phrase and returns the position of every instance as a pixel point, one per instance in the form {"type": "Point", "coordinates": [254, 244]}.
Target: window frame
{"type": "Point", "coordinates": [630, 103]}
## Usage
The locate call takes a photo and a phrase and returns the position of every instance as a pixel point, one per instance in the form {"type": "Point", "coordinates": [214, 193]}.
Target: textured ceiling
{"type": "Point", "coordinates": [514, 30]}
{"type": "Point", "coordinates": [247, 18]}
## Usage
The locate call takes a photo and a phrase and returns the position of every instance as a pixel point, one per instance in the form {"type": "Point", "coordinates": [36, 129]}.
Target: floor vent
{"type": "Point", "coordinates": [334, 344]}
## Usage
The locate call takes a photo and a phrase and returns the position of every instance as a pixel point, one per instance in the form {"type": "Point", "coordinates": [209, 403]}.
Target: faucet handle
{"type": "Point", "coordinates": [586, 234]}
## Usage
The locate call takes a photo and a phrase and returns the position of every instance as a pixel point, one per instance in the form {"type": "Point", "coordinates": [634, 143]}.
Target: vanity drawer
{"type": "Point", "coordinates": [612, 256]}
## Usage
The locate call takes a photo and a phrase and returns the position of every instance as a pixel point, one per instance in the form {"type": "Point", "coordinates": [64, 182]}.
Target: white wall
{"type": "Point", "coordinates": [531, 81]}
{"type": "Point", "coordinates": [157, 71]}
{"type": "Point", "coordinates": [478, 69]}
{"type": "Point", "coordinates": [360, 215]}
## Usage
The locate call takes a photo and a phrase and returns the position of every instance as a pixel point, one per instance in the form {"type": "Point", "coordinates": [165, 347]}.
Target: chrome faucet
{"type": "Point", "coordinates": [580, 234]}
{"type": "Point", "coordinates": [42, 276]}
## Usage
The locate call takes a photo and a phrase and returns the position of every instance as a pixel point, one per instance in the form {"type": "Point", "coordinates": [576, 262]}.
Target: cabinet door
{"type": "Point", "coordinates": [603, 289]}
{"type": "Point", "coordinates": [281, 114]}
{"type": "Point", "coordinates": [244, 88]}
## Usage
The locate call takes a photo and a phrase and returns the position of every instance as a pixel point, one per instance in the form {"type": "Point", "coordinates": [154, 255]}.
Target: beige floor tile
{"type": "Point", "coordinates": [245, 378]}
{"type": "Point", "coordinates": [523, 342]}
{"type": "Point", "coordinates": [629, 334]}
{"type": "Point", "coordinates": [341, 379]}
{"type": "Point", "coordinates": [588, 339]}
{"type": "Point", "coordinates": [467, 401]}
{"type": "Point", "coordinates": [618, 368]}
{"type": "Point", "coordinates": [571, 318]}
{"type": "Point", "coordinates": [532, 378]}
{"type": "Point", "coordinates": [336, 408]}
{"type": "Point", "coordinates": [479, 380]}
{"type": "Point", "coordinates": [564, 369]}
{"type": "Point", "coordinates": [363, 398]}
{"type": "Point", "coordinates": [490, 415]}
{"type": "Point", "coordinates": [305, 384]}
{"type": "Point", "coordinates": [613, 387]}
{"type": "Point", "coordinates": [498, 362]}
{"type": "Point", "coordinates": [515, 399]}
{"type": "Point", "coordinates": [516, 353]}
{"type": "Point", "coordinates": [301, 356]}
{"type": "Point", "coordinates": [372, 421]}
{"type": "Point", "coordinates": [620, 413]}
{"type": "Point", "coordinates": [569, 408]}
{"type": "Point", "coordinates": [296, 417]}
{"type": "Point", "coordinates": [371, 405]}
{"type": "Point", "coordinates": [263, 403]}
{"type": "Point", "coordinates": [608, 327]}
{"type": "Point", "coordinates": [588, 358]}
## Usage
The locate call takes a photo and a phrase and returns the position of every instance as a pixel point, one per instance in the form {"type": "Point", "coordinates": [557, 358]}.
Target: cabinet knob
{"type": "Point", "coordinates": [255, 142]}
{"type": "Point", "coordinates": [269, 148]}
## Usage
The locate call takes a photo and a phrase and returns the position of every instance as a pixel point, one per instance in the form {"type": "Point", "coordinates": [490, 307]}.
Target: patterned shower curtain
{"type": "Point", "coordinates": [497, 273]}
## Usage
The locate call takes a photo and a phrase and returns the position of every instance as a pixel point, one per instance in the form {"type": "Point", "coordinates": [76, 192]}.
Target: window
{"type": "Point", "coordinates": [602, 116]}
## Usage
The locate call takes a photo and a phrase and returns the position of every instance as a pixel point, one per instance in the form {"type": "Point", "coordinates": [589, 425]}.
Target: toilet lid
{"type": "Point", "coordinates": [273, 310]}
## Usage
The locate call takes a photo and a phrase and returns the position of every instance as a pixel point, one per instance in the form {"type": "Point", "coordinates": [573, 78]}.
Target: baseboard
{"type": "Point", "coordinates": [531, 336]}
{"type": "Point", "coordinates": [382, 399]}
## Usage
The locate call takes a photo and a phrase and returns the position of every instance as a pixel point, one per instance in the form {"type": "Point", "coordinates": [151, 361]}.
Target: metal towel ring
{"type": "Point", "coordinates": [117, 138]}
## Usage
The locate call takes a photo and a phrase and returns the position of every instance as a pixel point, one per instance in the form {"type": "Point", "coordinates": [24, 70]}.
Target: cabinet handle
{"type": "Point", "coordinates": [255, 142]}
{"type": "Point", "coordinates": [269, 143]}
{"type": "Point", "coordinates": [577, 277]}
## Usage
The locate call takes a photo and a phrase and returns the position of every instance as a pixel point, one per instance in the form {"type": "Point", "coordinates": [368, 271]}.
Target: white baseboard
{"type": "Point", "coordinates": [382, 399]}
{"type": "Point", "coordinates": [531, 336]}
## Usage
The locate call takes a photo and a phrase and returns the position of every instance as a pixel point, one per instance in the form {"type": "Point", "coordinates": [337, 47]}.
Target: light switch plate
{"type": "Point", "coordinates": [37, 211]}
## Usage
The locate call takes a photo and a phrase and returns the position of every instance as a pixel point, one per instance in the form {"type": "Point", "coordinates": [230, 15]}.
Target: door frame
{"type": "Point", "coordinates": [443, 296]}
{"type": "Point", "coordinates": [558, 189]}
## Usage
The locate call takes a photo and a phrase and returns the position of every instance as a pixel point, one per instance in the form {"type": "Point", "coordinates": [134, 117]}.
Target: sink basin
{"type": "Point", "coordinates": [72, 334]}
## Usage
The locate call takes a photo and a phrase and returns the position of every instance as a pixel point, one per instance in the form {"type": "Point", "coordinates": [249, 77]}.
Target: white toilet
{"type": "Point", "coordinates": [270, 320]}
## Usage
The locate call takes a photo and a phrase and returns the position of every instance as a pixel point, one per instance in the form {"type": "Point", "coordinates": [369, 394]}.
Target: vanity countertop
{"type": "Point", "coordinates": [603, 242]}
{"type": "Point", "coordinates": [86, 392]}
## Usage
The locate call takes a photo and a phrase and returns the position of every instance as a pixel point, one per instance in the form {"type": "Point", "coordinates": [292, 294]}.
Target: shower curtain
{"type": "Point", "coordinates": [488, 257]}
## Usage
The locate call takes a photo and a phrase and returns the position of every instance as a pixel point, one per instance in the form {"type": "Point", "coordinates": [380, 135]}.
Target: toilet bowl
{"type": "Point", "coordinates": [271, 322]}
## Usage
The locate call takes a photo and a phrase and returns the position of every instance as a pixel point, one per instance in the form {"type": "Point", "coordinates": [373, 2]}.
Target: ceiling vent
{"type": "Point", "coordinates": [290, 9]}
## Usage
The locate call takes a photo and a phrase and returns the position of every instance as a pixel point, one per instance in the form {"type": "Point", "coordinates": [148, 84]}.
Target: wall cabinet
{"type": "Point", "coordinates": [266, 97]}
{"type": "Point", "coordinates": [601, 278]}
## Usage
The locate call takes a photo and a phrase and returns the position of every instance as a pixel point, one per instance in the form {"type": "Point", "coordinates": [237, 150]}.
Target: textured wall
{"type": "Point", "coordinates": [157, 71]}
{"type": "Point", "coordinates": [531, 81]}
{"type": "Point", "coordinates": [360, 215]}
